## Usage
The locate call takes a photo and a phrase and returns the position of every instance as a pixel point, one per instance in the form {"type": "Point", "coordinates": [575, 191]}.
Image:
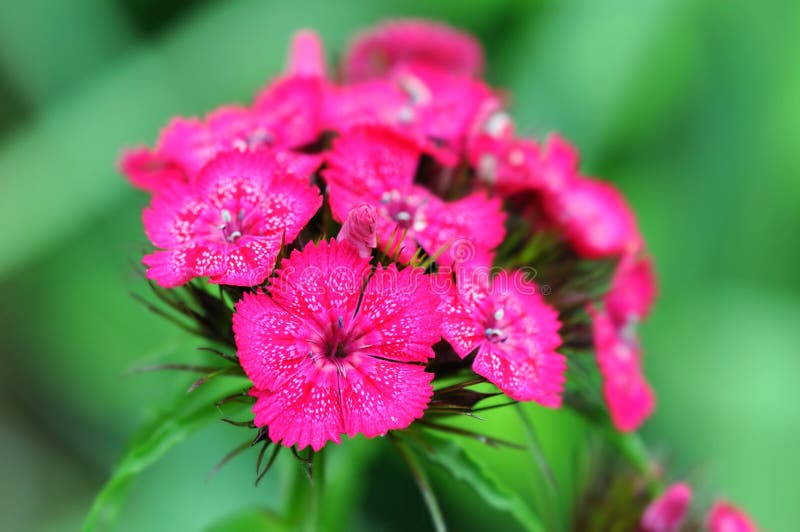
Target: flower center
{"type": "Point", "coordinates": [402, 211]}
{"type": "Point", "coordinates": [337, 341]}
{"type": "Point", "coordinates": [495, 327]}
{"type": "Point", "coordinates": [230, 227]}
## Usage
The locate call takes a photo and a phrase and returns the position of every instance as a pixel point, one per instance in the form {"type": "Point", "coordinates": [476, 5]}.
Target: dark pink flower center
{"type": "Point", "coordinates": [402, 210]}
{"type": "Point", "coordinates": [496, 330]}
{"type": "Point", "coordinates": [336, 342]}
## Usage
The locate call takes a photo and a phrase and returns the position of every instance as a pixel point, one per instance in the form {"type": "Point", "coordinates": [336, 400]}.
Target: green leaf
{"type": "Point", "coordinates": [172, 427]}
{"type": "Point", "coordinates": [464, 468]}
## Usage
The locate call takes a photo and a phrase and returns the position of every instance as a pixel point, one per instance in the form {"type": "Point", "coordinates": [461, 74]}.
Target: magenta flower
{"type": "Point", "coordinates": [504, 163]}
{"type": "Point", "coordinates": [629, 397]}
{"type": "Point", "coordinates": [633, 290]}
{"type": "Point", "coordinates": [595, 218]}
{"type": "Point", "coordinates": [667, 512]}
{"type": "Point", "coordinates": [286, 115]}
{"type": "Point", "coordinates": [725, 517]}
{"type": "Point", "coordinates": [513, 332]}
{"type": "Point", "coordinates": [375, 52]}
{"type": "Point", "coordinates": [360, 229]}
{"type": "Point", "coordinates": [376, 166]}
{"type": "Point", "coordinates": [430, 105]}
{"type": "Point", "coordinates": [229, 224]}
{"type": "Point", "coordinates": [330, 356]}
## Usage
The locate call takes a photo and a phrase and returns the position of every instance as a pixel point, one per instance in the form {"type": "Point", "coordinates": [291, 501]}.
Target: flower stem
{"type": "Point", "coordinates": [422, 482]}
{"type": "Point", "coordinates": [313, 523]}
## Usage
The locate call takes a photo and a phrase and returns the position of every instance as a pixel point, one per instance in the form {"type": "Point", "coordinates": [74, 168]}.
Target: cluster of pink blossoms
{"type": "Point", "coordinates": [381, 227]}
{"type": "Point", "coordinates": [417, 163]}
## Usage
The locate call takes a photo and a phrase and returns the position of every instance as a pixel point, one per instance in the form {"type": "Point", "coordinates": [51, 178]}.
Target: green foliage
{"type": "Point", "coordinates": [450, 456]}
{"type": "Point", "coordinates": [170, 428]}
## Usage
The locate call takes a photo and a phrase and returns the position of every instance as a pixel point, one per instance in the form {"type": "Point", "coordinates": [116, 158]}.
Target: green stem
{"type": "Point", "coordinates": [317, 492]}
{"type": "Point", "coordinates": [424, 484]}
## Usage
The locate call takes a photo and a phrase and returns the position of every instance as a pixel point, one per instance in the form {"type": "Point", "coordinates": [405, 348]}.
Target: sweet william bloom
{"type": "Point", "coordinates": [668, 511]}
{"type": "Point", "coordinates": [229, 224]}
{"type": "Point", "coordinates": [633, 289]}
{"type": "Point", "coordinates": [514, 332]}
{"type": "Point", "coordinates": [435, 108]}
{"type": "Point", "coordinates": [286, 115]}
{"type": "Point", "coordinates": [595, 218]}
{"type": "Point", "coordinates": [359, 229]}
{"type": "Point", "coordinates": [376, 166]}
{"type": "Point", "coordinates": [627, 393]}
{"type": "Point", "coordinates": [374, 53]}
{"type": "Point", "coordinates": [329, 356]}
{"type": "Point", "coordinates": [725, 517]}
{"type": "Point", "coordinates": [145, 170]}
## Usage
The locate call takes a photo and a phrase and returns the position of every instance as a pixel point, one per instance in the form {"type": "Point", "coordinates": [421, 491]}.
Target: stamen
{"type": "Point", "coordinates": [226, 216]}
{"type": "Point", "coordinates": [233, 236]}
{"type": "Point", "coordinates": [498, 315]}
{"type": "Point", "coordinates": [341, 322]}
{"type": "Point", "coordinates": [405, 115]}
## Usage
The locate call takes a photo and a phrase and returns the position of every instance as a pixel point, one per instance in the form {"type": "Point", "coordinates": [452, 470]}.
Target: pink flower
{"type": "Point", "coordinates": [633, 289]}
{"type": "Point", "coordinates": [375, 52]}
{"type": "Point", "coordinates": [667, 512]}
{"type": "Point", "coordinates": [287, 114]}
{"type": "Point", "coordinates": [595, 218]}
{"type": "Point", "coordinates": [629, 397]}
{"type": "Point", "coordinates": [326, 359]}
{"type": "Point", "coordinates": [186, 145]}
{"type": "Point", "coordinates": [725, 517]}
{"type": "Point", "coordinates": [558, 167]}
{"type": "Point", "coordinates": [359, 229]}
{"type": "Point", "coordinates": [514, 332]}
{"type": "Point", "coordinates": [505, 163]}
{"type": "Point", "coordinates": [376, 166]}
{"type": "Point", "coordinates": [433, 107]}
{"type": "Point", "coordinates": [513, 164]}
{"type": "Point", "coordinates": [229, 225]}
{"type": "Point", "coordinates": [145, 170]}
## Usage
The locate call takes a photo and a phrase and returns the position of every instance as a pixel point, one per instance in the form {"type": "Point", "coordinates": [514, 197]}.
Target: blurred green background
{"type": "Point", "coordinates": [692, 107]}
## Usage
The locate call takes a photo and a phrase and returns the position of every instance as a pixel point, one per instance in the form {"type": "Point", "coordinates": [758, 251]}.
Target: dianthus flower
{"type": "Point", "coordinates": [287, 114]}
{"type": "Point", "coordinates": [329, 354]}
{"type": "Point", "coordinates": [725, 517]}
{"type": "Point", "coordinates": [668, 511]}
{"type": "Point", "coordinates": [512, 164]}
{"type": "Point", "coordinates": [376, 166]}
{"type": "Point", "coordinates": [595, 218]}
{"type": "Point", "coordinates": [434, 107]}
{"type": "Point", "coordinates": [627, 393]}
{"type": "Point", "coordinates": [374, 53]}
{"type": "Point", "coordinates": [633, 289]}
{"type": "Point", "coordinates": [514, 333]}
{"type": "Point", "coordinates": [229, 224]}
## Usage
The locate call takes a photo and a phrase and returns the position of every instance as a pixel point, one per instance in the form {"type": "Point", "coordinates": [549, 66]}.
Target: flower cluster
{"type": "Point", "coordinates": [383, 227]}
